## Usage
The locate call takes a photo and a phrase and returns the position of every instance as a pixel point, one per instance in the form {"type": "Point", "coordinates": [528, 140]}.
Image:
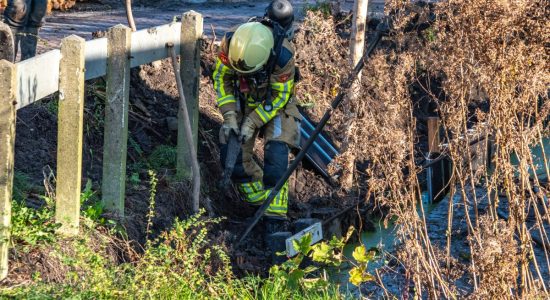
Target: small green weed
{"type": "Point", "coordinates": [163, 157]}
{"type": "Point", "coordinates": [52, 105]}
{"type": "Point", "coordinates": [430, 35]}
{"type": "Point", "coordinates": [319, 6]}
{"type": "Point", "coordinates": [331, 259]}
{"type": "Point", "coordinates": [21, 186]}
{"type": "Point", "coordinates": [30, 226]}
{"type": "Point", "coordinates": [92, 207]}
{"type": "Point", "coordinates": [134, 145]}
{"type": "Point", "coordinates": [152, 194]}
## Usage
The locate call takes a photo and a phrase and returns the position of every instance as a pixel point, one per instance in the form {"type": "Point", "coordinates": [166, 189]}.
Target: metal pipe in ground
{"type": "Point", "coordinates": [130, 15]}
{"type": "Point", "coordinates": [188, 131]}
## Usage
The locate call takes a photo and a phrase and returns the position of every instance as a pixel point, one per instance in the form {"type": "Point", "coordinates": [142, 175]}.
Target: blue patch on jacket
{"type": "Point", "coordinates": [284, 57]}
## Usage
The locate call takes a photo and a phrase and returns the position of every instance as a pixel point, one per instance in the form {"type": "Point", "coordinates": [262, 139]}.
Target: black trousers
{"type": "Point", "coordinates": [25, 17]}
{"type": "Point", "coordinates": [25, 13]}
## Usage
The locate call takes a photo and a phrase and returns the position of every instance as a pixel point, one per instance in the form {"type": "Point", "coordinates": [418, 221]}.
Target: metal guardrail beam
{"type": "Point", "coordinates": [38, 77]}
{"type": "Point", "coordinates": [96, 58]}
{"type": "Point", "coordinates": [150, 44]}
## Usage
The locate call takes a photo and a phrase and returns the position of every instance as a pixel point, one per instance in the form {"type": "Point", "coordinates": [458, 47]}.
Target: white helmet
{"type": "Point", "coordinates": [250, 47]}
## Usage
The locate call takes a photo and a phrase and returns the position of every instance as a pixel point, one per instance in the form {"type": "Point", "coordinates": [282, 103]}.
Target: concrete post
{"type": "Point", "coordinates": [116, 118]}
{"type": "Point", "coordinates": [191, 32]}
{"type": "Point", "coordinates": [69, 134]}
{"type": "Point", "coordinates": [8, 86]}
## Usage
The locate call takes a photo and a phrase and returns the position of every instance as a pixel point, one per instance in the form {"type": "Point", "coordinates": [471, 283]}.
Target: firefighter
{"type": "Point", "coordinates": [255, 103]}
{"type": "Point", "coordinates": [25, 17]}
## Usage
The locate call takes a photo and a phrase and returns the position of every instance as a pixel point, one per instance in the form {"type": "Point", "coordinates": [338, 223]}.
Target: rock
{"type": "Point", "coordinates": [172, 123]}
{"type": "Point", "coordinates": [157, 64]}
{"type": "Point", "coordinates": [335, 228]}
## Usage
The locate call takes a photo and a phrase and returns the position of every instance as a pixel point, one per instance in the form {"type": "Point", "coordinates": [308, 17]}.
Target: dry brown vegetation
{"type": "Point", "coordinates": [490, 59]}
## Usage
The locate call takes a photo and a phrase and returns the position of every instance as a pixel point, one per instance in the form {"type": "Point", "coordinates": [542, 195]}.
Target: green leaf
{"type": "Point", "coordinates": [310, 269]}
{"type": "Point", "coordinates": [296, 245]}
{"type": "Point", "coordinates": [360, 254]}
{"type": "Point", "coordinates": [303, 245]}
{"type": "Point", "coordinates": [359, 275]}
{"type": "Point", "coordinates": [337, 242]}
{"type": "Point", "coordinates": [355, 276]}
{"type": "Point", "coordinates": [294, 278]}
{"type": "Point", "coordinates": [322, 253]}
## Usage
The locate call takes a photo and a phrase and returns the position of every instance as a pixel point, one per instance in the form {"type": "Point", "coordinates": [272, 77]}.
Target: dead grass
{"type": "Point", "coordinates": [492, 61]}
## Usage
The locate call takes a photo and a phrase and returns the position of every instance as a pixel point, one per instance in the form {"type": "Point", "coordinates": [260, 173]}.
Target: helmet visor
{"type": "Point", "coordinates": [242, 67]}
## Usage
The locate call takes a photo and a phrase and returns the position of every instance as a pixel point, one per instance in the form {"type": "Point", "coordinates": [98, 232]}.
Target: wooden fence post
{"type": "Point", "coordinates": [433, 135]}
{"type": "Point", "coordinates": [116, 118]}
{"type": "Point", "coordinates": [438, 175]}
{"type": "Point", "coordinates": [8, 86]}
{"type": "Point", "coordinates": [70, 134]}
{"type": "Point", "coordinates": [191, 32]}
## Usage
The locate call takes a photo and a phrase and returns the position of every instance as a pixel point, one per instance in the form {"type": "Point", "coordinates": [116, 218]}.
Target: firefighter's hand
{"type": "Point", "coordinates": [247, 130]}
{"type": "Point", "coordinates": [230, 124]}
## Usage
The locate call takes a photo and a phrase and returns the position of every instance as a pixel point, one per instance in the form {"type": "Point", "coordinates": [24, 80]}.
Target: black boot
{"type": "Point", "coordinates": [275, 237]}
{"type": "Point", "coordinates": [29, 41]}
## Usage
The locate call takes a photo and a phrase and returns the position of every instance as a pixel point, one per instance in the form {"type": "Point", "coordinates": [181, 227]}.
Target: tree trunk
{"type": "Point", "coordinates": [357, 46]}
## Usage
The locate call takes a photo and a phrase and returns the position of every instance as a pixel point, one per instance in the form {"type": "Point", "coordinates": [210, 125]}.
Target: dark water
{"type": "Point", "coordinates": [385, 240]}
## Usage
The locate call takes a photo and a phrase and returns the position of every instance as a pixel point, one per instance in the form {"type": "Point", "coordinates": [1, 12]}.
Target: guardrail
{"type": "Point", "coordinates": [65, 71]}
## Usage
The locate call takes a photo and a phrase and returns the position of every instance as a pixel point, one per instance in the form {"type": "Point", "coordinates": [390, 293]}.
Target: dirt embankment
{"type": "Point", "coordinates": [152, 138]}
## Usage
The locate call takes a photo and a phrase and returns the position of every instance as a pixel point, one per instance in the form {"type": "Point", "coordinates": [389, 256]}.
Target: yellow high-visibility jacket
{"type": "Point", "coordinates": [281, 83]}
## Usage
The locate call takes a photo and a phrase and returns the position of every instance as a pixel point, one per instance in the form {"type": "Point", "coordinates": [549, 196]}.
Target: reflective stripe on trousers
{"type": "Point", "coordinates": [255, 194]}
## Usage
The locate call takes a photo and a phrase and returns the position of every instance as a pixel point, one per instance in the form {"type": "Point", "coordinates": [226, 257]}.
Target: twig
{"type": "Point", "coordinates": [188, 132]}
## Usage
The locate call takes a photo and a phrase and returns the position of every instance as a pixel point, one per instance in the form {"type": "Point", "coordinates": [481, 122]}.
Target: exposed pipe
{"type": "Point", "coordinates": [130, 15]}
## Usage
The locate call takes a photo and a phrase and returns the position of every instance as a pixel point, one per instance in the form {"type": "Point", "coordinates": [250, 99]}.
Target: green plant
{"type": "Point", "coordinates": [134, 179]}
{"type": "Point", "coordinates": [32, 226]}
{"type": "Point", "coordinates": [92, 207]}
{"type": "Point", "coordinates": [21, 186]}
{"type": "Point", "coordinates": [163, 156]}
{"type": "Point", "coordinates": [152, 194]}
{"type": "Point", "coordinates": [430, 35]}
{"type": "Point", "coordinates": [181, 263]}
{"type": "Point", "coordinates": [323, 7]}
{"type": "Point", "coordinates": [134, 145]}
{"type": "Point", "coordinates": [52, 105]}
{"type": "Point", "coordinates": [290, 276]}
